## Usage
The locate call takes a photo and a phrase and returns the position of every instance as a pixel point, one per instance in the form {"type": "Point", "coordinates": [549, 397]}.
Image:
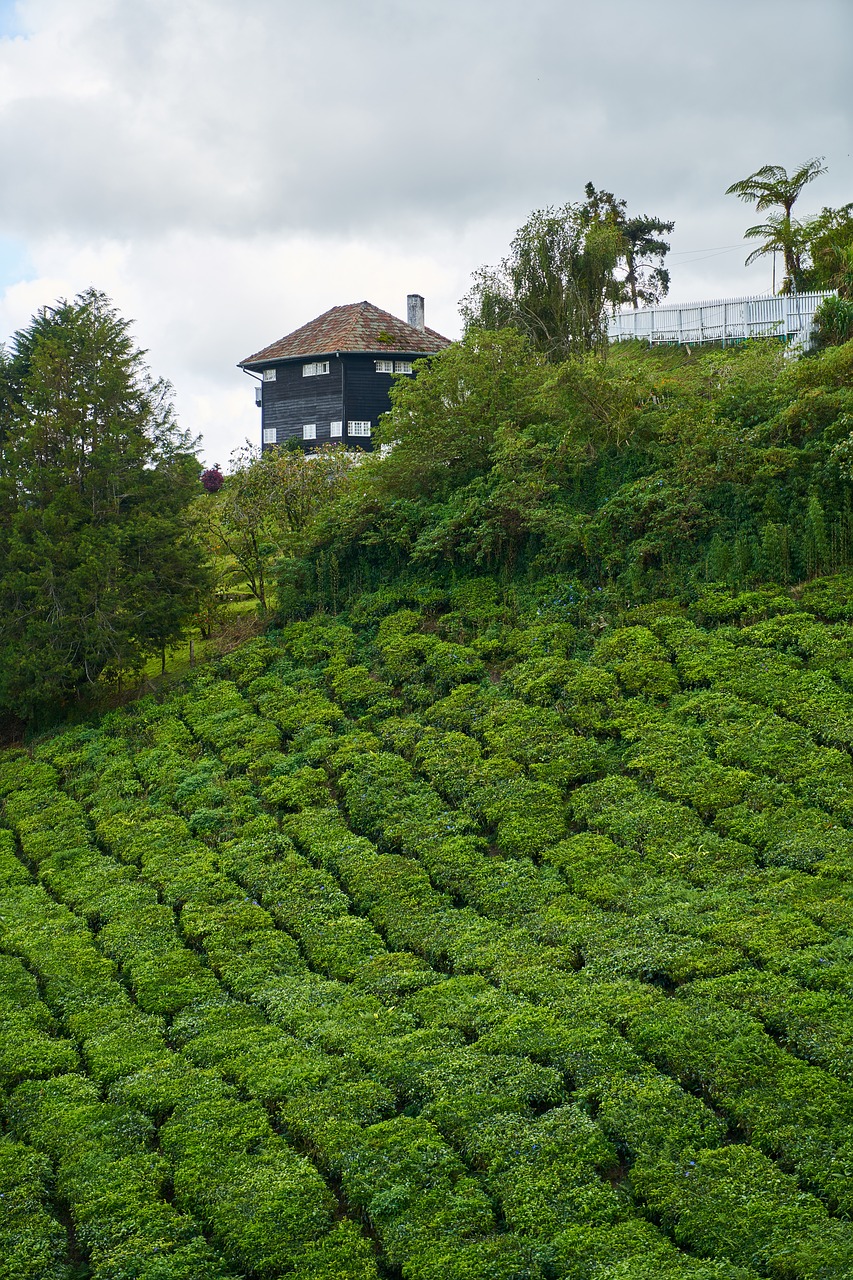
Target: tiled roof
{"type": "Point", "coordinates": [358, 326]}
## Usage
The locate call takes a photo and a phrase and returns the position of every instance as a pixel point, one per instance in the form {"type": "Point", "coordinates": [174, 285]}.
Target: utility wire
{"type": "Point", "coordinates": [718, 248]}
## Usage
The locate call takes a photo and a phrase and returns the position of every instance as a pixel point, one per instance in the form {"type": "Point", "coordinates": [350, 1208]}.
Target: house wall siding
{"type": "Point", "coordinates": [293, 400]}
{"type": "Point", "coordinates": [352, 390]}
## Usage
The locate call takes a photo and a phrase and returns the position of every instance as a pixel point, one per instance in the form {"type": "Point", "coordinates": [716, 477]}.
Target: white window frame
{"type": "Point", "coordinates": [315, 369]}
{"type": "Point", "coordinates": [269, 375]}
{"type": "Point", "coordinates": [336, 430]}
{"type": "Point", "coordinates": [358, 428]}
{"type": "Point", "coordinates": [309, 431]}
{"type": "Point", "coordinates": [270, 435]}
{"type": "Point", "coordinates": [403, 366]}
{"type": "Point", "coordinates": [384, 366]}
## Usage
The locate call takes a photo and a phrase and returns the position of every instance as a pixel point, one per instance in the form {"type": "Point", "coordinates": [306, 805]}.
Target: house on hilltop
{"type": "Point", "coordinates": [329, 380]}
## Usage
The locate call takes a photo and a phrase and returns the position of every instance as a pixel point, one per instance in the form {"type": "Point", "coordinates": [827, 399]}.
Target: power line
{"type": "Point", "coordinates": [714, 248]}
{"type": "Point", "coordinates": [718, 254]}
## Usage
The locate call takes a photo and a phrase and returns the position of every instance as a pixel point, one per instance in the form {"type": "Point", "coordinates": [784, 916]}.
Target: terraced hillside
{"type": "Point", "coordinates": [430, 945]}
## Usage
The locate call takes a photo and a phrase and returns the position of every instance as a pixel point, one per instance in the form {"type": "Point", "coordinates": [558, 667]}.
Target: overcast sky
{"type": "Point", "coordinates": [228, 169]}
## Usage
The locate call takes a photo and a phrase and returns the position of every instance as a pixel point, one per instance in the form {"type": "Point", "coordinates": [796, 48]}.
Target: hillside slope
{"type": "Point", "coordinates": [429, 942]}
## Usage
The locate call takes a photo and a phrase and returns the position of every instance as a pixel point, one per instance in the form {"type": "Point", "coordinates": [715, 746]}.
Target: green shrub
{"type": "Point", "coordinates": [733, 1203]}
{"type": "Point", "coordinates": [32, 1242]}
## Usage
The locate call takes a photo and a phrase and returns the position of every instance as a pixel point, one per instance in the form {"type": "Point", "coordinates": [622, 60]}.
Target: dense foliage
{"type": "Point", "coordinates": [566, 268]}
{"type": "Point", "coordinates": [649, 473]}
{"type": "Point", "coordinates": [258, 515]}
{"type": "Point", "coordinates": [97, 564]}
{"type": "Point", "coordinates": [444, 941]}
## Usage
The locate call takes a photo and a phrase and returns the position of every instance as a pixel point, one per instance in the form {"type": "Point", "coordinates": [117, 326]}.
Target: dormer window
{"type": "Point", "coordinates": [315, 368]}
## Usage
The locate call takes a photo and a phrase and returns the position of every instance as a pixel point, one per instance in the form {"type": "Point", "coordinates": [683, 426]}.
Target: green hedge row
{"type": "Point", "coordinates": [794, 1112]}
{"type": "Point", "coordinates": [763, 812]}
{"type": "Point", "coordinates": [29, 1045]}
{"type": "Point", "coordinates": [113, 1182]}
{"type": "Point", "coordinates": [231, 1048]}
{"type": "Point", "coordinates": [767, 744]}
{"type": "Point", "coordinates": [33, 1245]}
{"type": "Point", "coordinates": [546, 1028]}
{"type": "Point", "coordinates": [455, 757]}
{"type": "Point", "coordinates": [761, 675]}
{"type": "Point", "coordinates": [452, 1105]}
{"type": "Point", "coordinates": [816, 1025]}
{"type": "Point", "coordinates": [215, 1185]}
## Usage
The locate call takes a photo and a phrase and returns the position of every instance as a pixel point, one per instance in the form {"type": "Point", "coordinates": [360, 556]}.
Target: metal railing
{"type": "Point", "coordinates": [728, 320]}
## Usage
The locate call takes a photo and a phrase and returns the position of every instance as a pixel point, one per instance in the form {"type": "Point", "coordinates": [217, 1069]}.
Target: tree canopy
{"type": "Point", "coordinates": [256, 515]}
{"type": "Point", "coordinates": [828, 243]}
{"type": "Point", "coordinates": [97, 565]}
{"type": "Point", "coordinates": [643, 248]}
{"type": "Point", "coordinates": [554, 284]}
{"type": "Point", "coordinates": [564, 268]}
{"type": "Point", "coordinates": [772, 187]}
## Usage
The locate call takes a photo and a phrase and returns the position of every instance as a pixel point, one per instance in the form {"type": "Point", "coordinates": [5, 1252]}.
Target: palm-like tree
{"type": "Point", "coordinates": [772, 187]}
{"type": "Point", "coordinates": [780, 234]}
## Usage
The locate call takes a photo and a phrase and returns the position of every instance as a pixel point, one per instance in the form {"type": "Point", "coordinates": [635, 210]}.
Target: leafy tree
{"type": "Point", "coordinates": [772, 187]}
{"type": "Point", "coordinates": [833, 322]}
{"type": "Point", "coordinates": [258, 514]}
{"type": "Point", "coordinates": [212, 479]}
{"type": "Point", "coordinates": [828, 242]}
{"type": "Point", "coordinates": [646, 279]}
{"type": "Point", "coordinates": [554, 284]}
{"type": "Point", "coordinates": [97, 566]}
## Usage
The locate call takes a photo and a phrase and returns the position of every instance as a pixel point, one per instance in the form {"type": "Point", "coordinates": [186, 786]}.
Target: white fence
{"type": "Point", "coordinates": [787, 316]}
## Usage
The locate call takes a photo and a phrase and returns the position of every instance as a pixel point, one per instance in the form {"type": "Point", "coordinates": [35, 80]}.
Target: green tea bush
{"type": "Point", "coordinates": [262, 1202]}
{"type": "Point", "coordinates": [28, 1044]}
{"type": "Point", "coordinates": [32, 1242]}
{"type": "Point", "coordinates": [732, 1202]}
{"type": "Point", "coordinates": [111, 1180]}
{"type": "Point", "coordinates": [486, 963]}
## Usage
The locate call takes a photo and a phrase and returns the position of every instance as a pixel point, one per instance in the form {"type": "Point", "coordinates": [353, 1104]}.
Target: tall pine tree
{"type": "Point", "coordinates": [97, 567]}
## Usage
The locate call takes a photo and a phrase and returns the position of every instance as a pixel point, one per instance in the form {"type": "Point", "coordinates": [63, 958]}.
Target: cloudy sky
{"type": "Point", "coordinates": [228, 169]}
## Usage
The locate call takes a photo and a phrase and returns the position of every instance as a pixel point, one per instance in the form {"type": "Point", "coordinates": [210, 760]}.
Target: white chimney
{"type": "Point", "coordinates": [415, 304]}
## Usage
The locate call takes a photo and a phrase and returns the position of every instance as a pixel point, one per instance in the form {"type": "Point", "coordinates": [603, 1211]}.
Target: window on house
{"type": "Point", "coordinates": [309, 431]}
{"type": "Point", "coordinates": [358, 428]}
{"type": "Point", "coordinates": [315, 368]}
{"type": "Point", "coordinates": [336, 430]}
{"type": "Point", "coordinates": [269, 435]}
{"type": "Point", "coordinates": [269, 375]}
{"type": "Point", "coordinates": [384, 366]}
{"type": "Point", "coordinates": [403, 366]}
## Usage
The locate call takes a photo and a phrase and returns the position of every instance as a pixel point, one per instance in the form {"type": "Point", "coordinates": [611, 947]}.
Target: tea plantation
{"type": "Point", "coordinates": [413, 944]}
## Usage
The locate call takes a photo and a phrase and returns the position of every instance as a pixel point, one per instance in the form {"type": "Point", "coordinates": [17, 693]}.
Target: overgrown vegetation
{"type": "Point", "coordinates": [604, 482]}
{"type": "Point", "coordinates": [565, 268]}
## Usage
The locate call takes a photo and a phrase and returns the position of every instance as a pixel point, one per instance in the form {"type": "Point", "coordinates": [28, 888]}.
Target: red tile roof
{"type": "Point", "coordinates": [358, 326]}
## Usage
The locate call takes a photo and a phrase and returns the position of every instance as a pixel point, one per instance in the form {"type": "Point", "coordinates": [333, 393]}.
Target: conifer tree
{"type": "Point", "coordinates": [97, 567]}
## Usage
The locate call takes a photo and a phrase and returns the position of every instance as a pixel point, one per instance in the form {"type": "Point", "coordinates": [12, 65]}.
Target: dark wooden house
{"type": "Point", "coordinates": [329, 380]}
